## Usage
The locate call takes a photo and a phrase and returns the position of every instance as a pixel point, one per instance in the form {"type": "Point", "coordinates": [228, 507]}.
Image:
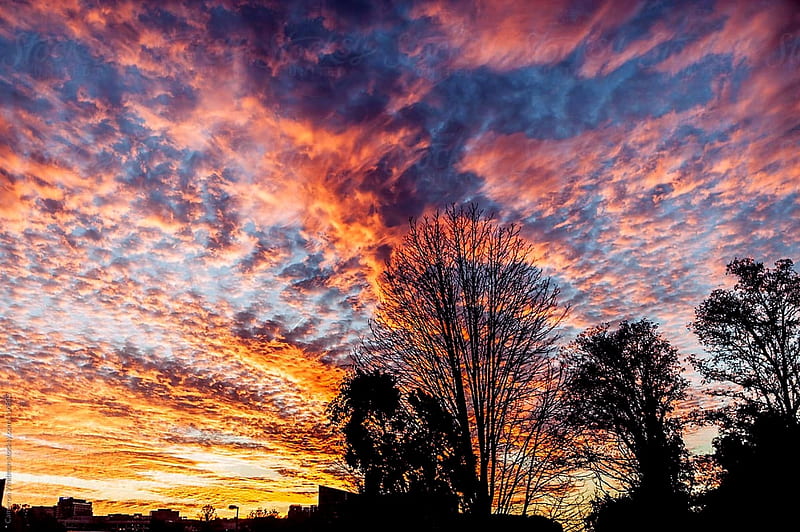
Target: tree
{"type": "Point", "coordinates": [263, 513]}
{"type": "Point", "coordinates": [368, 412]}
{"type": "Point", "coordinates": [465, 317]}
{"type": "Point", "coordinates": [757, 452]}
{"type": "Point", "coordinates": [207, 513]}
{"type": "Point", "coordinates": [26, 519]}
{"type": "Point", "coordinates": [623, 386]}
{"type": "Point", "coordinates": [752, 332]}
{"type": "Point", "coordinates": [535, 473]}
{"type": "Point", "coordinates": [431, 448]}
{"type": "Point", "coordinates": [398, 444]}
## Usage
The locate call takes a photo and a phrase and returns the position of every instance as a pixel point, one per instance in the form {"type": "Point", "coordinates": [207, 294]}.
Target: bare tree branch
{"type": "Point", "coordinates": [467, 318]}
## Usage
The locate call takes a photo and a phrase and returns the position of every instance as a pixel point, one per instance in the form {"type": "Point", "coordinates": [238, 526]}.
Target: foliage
{"type": "Point", "coordinates": [752, 332]}
{"type": "Point", "coordinates": [399, 444]}
{"type": "Point", "coordinates": [369, 414]}
{"type": "Point", "coordinates": [431, 448]}
{"type": "Point", "coordinates": [757, 452]}
{"type": "Point", "coordinates": [622, 388]}
{"type": "Point", "coordinates": [633, 513]}
{"type": "Point", "coordinates": [465, 317]}
{"type": "Point", "coordinates": [506, 523]}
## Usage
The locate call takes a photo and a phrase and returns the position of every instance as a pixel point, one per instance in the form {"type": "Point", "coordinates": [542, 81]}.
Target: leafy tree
{"type": "Point", "coordinates": [757, 453]}
{"type": "Point", "coordinates": [465, 317]}
{"type": "Point", "coordinates": [431, 448]}
{"type": "Point", "coordinates": [622, 387]}
{"type": "Point", "coordinates": [369, 413]}
{"type": "Point", "coordinates": [752, 332]}
{"type": "Point", "coordinates": [399, 444]}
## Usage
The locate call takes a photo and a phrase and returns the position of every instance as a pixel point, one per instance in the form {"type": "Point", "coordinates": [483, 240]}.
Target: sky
{"type": "Point", "coordinates": [196, 200]}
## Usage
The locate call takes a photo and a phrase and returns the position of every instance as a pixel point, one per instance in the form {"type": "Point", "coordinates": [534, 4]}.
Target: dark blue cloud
{"type": "Point", "coordinates": [14, 98]}
{"type": "Point", "coordinates": [163, 20]}
{"type": "Point", "coordinates": [555, 102]}
{"type": "Point", "coordinates": [177, 102]}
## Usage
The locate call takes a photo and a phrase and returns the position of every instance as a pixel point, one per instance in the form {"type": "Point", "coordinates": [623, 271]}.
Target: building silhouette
{"type": "Point", "coordinates": [42, 512]}
{"type": "Point", "coordinates": [298, 512]}
{"type": "Point", "coordinates": [333, 503]}
{"type": "Point", "coordinates": [74, 515]}
{"type": "Point", "coordinates": [127, 523]}
{"type": "Point", "coordinates": [165, 515]}
{"type": "Point", "coordinates": [336, 510]}
{"type": "Point", "coordinates": [391, 512]}
{"type": "Point", "coordinates": [69, 507]}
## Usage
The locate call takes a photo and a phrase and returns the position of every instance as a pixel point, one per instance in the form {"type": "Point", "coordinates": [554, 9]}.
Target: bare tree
{"type": "Point", "coordinates": [263, 513]}
{"type": "Point", "coordinates": [467, 318]}
{"type": "Point", "coordinates": [207, 513]}
{"type": "Point", "coordinates": [535, 473]}
{"type": "Point", "coordinates": [753, 334]}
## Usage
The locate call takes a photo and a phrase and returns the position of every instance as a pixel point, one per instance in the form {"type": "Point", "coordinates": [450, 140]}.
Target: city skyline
{"type": "Point", "coordinates": [196, 200]}
{"type": "Point", "coordinates": [90, 512]}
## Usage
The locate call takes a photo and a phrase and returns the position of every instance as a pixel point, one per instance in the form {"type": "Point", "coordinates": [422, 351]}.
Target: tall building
{"type": "Point", "coordinates": [68, 508]}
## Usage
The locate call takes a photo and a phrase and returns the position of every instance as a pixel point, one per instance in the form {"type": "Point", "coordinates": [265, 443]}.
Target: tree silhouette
{"type": "Point", "coordinates": [622, 386]}
{"type": "Point", "coordinates": [369, 414]}
{"type": "Point", "coordinates": [207, 513]}
{"type": "Point", "coordinates": [399, 444]}
{"type": "Point", "coordinates": [536, 471]}
{"type": "Point", "coordinates": [752, 332]}
{"type": "Point", "coordinates": [431, 448]}
{"type": "Point", "coordinates": [263, 513]}
{"type": "Point", "coordinates": [757, 452]}
{"type": "Point", "coordinates": [465, 317]}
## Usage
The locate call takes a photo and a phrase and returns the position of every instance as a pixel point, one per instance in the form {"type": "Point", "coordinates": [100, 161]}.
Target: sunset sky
{"type": "Point", "coordinates": [196, 199]}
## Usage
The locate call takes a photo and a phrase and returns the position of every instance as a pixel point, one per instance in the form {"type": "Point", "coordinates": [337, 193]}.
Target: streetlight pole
{"type": "Point", "coordinates": [235, 519]}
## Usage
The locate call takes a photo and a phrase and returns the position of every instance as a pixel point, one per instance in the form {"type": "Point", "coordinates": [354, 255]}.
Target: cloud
{"type": "Point", "coordinates": [196, 201]}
